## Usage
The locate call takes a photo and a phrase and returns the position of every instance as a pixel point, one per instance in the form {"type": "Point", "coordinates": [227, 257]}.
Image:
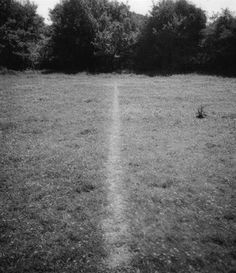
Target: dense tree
{"type": "Point", "coordinates": [115, 36]}
{"type": "Point", "coordinates": [104, 35]}
{"type": "Point", "coordinates": [72, 30]}
{"type": "Point", "coordinates": [20, 30]}
{"type": "Point", "coordinates": [171, 36]}
{"type": "Point", "coordinates": [219, 44]}
{"type": "Point", "coordinates": [91, 34]}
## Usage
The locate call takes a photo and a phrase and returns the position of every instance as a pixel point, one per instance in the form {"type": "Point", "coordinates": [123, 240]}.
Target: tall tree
{"type": "Point", "coordinates": [171, 36]}
{"type": "Point", "coordinates": [91, 33]}
{"type": "Point", "coordinates": [72, 31]}
{"type": "Point", "coordinates": [219, 44]}
{"type": "Point", "coordinates": [115, 36]}
{"type": "Point", "coordinates": [20, 30]}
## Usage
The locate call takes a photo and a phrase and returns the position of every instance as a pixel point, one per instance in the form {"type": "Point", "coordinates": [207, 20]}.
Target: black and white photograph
{"type": "Point", "coordinates": [117, 136]}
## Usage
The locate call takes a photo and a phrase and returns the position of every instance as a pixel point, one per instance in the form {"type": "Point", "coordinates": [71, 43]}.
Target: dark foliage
{"type": "Point", "coordinates": [171, 37]}
{"type": "Point", "coordinates": [72, 31]}
{"type": "Point", "coordinates": [103, 35]}
{"type": "Point", "coordinates": [92, 35]}
{"type": "Point", "coordinates": [219, 45]}
{"type": "Point", "coordinates": [20, 31]}
{"type": "Point", "coordinates": [115, 36]}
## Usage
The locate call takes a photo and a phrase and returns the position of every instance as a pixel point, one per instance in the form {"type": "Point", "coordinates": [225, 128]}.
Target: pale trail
{"type": "Point", "coordinates": [115, 226]}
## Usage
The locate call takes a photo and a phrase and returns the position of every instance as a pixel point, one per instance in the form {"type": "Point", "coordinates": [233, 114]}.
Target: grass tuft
{"type": "Point", "coordinates": [201, 113]}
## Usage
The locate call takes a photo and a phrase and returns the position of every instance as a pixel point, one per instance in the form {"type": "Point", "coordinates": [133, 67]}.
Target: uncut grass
{"type": "Point", "coordinates": [181, 173]}
{"type": "Point", "coordinates": [53, 147]}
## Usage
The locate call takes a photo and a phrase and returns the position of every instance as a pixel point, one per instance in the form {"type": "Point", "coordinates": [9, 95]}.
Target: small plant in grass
{"type": "Point", "coordinates": [201, 113]}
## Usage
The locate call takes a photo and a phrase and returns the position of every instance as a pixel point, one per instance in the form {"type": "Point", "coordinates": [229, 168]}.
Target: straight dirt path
{"type": "Point", "coordinates": [115, 226]}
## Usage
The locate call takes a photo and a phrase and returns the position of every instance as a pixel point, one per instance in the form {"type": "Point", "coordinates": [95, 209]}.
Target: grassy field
{"type": "Point", "coordinates": [178, 172]}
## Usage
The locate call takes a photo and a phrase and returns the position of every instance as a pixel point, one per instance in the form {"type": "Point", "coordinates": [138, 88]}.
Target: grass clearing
{"type": "Point", "coordinates": [178, 171]}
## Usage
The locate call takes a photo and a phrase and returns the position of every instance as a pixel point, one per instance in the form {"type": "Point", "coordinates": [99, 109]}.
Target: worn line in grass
{"type": "Point", "coordinates": [116, 226]}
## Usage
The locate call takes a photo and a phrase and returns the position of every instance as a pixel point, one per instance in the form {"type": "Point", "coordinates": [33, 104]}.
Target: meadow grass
{"type": "Point", "coordinates": [178, 171]}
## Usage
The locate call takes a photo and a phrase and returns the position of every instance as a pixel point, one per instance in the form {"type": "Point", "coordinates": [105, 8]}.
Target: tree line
{"type": "Point", "coordinates": [103, 35]}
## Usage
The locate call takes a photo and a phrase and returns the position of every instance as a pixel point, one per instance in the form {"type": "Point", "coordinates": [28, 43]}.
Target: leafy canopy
{"type": "Point", "coordinates": [20, 30]}
{"type": "Point", "coordinates": [171, 35]}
